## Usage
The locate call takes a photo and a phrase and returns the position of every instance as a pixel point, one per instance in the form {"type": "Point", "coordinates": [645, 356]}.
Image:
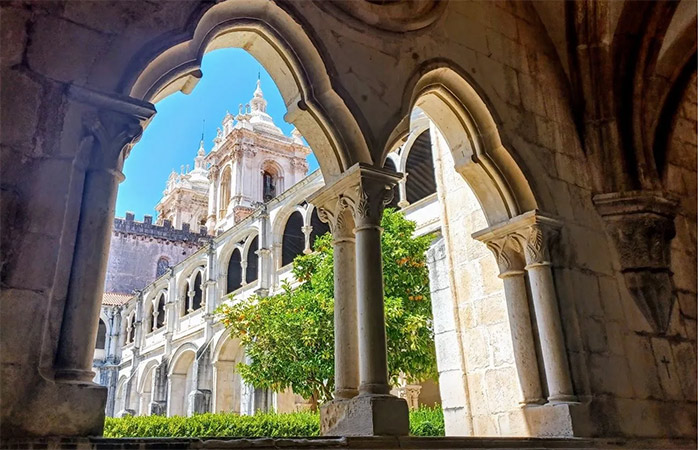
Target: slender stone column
{"type": "Point", "coordinates": [546, 307]}
{"type": "Point", "coordinates": [213, 198]}
{"type": "Point", "coordinates": [111, 127]}
{"type": "Point", "coordinates": [370, 290]}
{"type": "Point", "coordinates": [307, 229]}
{"type": "Point", "coordinates": [402, 193]}
{"type": "Point", "coordinates": [364, 190]}
{"type": "Point", "coordinates": [345, 306]}
{"type": "Point", "coordinates": [511, 264]}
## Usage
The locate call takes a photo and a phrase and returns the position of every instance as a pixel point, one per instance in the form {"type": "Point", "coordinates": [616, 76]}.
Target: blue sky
{"type": "Point", "coordinates": [172, 138]}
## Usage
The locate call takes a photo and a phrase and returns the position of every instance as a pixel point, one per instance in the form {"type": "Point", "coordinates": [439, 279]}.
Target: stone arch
{"type": "Point", "coordinates": [120, 395]}
{"type": "Point", "coordinates": [418, 168]}
{"type": "Point", "coordinates": [293, 240]}
{"type": "Point", "coordinates": [474, 141]}
{"type": "Point", "coordinates": [283, 47]}
{"type": "Point", "coordinates": [144, 387]}
{"type": "Point", "coordinates": [180, 378]}
{"type": "Point", "coordinates": [251, 258]}
{"type": "Point", "coordinates": [101, 335]}
{"type": "Point", "coordinates": [227, 353]}
{"type": "Point", "coordinates": [162, 266]}
{"type": "Point", "coordinates": [272, 179]}
{"type": "Point", "coordinates": [160, 309]}
{"type": "Point", "coordinates": [234, 278]}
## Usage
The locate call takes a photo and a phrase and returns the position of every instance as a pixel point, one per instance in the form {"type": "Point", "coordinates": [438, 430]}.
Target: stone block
{"type": "Point", "coordinates": [643, 374]}
{"type": "Point", "coordinates": [19, 122]}
{"type": "Point", "coordinates": [447, 350]}
{"type": "Point", "coordinates": [477, 393]}
{"type": "Point", "coordinates": [549, 420]}
{"type": "Point", "coordinates": [476, 348]}
{"type": "Point", "coordinates": [443, 310]}
{"type": "Point", "coordinates": [491, 310]}
{"type": "Point", "coordinates": [686, 361]}
{"type": "Point", "coordinates": [485, 425]}
{"type": "Point", "coordinates": [457, 421]}
{"type": "Point", "coordinates": [666, 368]}
{"type": "Point", "coordinates": [58, 58]}
{"type": "Point", "coordinates": [501, 344]}
{"type": "Point", "coordinates": [370, 415]}
{"type": "Point", "coordinates": [13, 29]}
{"type": "Point", "coordinates": [502, 389]}
{"type": "Point", "coordinates": [453, 389]}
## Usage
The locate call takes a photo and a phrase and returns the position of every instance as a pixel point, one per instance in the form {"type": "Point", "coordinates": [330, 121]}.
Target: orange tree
{"type": "Point", "coordinates": [289, 336]}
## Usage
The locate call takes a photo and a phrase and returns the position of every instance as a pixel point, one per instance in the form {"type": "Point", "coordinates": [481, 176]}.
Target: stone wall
{"type": "Point", "coordinates": [136, 247]}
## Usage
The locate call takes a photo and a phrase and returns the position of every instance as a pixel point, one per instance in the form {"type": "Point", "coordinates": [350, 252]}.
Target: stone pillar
{"type": "Point", "coordinates": [213, 198]}
{"type": "Point", "coordinates": [365, 190]}
{"type": "Point", "coordinates": [544, 299]}
{"type": "Point", "coordinates": [264, 253]}
{"type": "Point", "coordinates": [110, 127]}
{"type": "Point", "coordinates": [159, 390]}
{"type": "Point", "coordinates": [190, 302]}
{"type": "Point", "coordinates": [511, 265]}
{"type": "Point", "coordinates": [115, 335]}
{"type": "Point", "coordinates": [307, 229]}
{"type": "Point", "coordinates": [342, 224]}
{"type": "Point", "coordinates": [402, 193]}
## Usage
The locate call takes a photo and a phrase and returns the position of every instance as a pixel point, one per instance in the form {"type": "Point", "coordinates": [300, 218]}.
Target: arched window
{"type": "Point", "coordinates": [251, 271]}
{"type": "Point", "coordinates": [101, 335]}
{"type": "Point", "coordinates": [233, 275]}
{"type": "Point", "coordinates": [389, 165]}
{"type": "Point", "coordinates": [197, 299]}
{"type": "Point", "coordinates": [160, 317]}
{"type": "Point", "coordinates": [292, 238]}
{"type": "Point", "coordinates": [162, 266]}
{"type": "Point", "coordinates": [131, 328]}
{"type": "Point", "coordinates": [420, 178]}
{"type": "Point", "coordinates": [269, 188]}
{"type": "Point", "coordinates": [224, 192]}
{"type": "Point", "coordinates": [150, 319]}
{"type": "Point", "coordinates": [185, 300]}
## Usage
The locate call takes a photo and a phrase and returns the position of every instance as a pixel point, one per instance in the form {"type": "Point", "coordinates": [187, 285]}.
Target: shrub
{"type": "Point", "coordinates": [424, 422]}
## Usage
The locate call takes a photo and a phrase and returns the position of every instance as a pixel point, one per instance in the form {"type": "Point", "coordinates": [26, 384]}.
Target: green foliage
{"type": "Point", "coordinates": [289, 336]}
{"type": "Point", "coordinates": [427, 421]}
{"type": "Point", "coordinates": [299, 424]}
{"type": "Point", "coordinates": [423, 422]}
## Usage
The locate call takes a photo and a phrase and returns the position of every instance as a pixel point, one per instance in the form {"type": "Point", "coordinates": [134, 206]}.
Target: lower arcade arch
{"type": "Point", "coordinates": [181, 380]}
{"type": "Point", "coordinates": [227, 381]}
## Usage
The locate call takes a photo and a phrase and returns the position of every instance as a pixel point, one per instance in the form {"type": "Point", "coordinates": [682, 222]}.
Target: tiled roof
{"type": "Point", "coordinates": [114, 299]}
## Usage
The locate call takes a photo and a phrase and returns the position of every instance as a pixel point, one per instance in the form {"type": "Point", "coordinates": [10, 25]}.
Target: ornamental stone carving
{"type": "Point", "coordinates": [640, 224]}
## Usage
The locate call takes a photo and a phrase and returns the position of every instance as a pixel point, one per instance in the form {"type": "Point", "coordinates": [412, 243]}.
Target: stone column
{"type": "Point", "coordinates": [307, 229]}
{"type": "Point", "coordinates": [511, 265]}
{"type": "Point", "coordinates": [370, 288]}
{"type": "Point", "coordinates": [213, 198]}
{"type": "Point", "coordinates": [264, 253]}
{"type": "Point", "coordinates": [190, 302]}
{"type": "Point", "coordinates": [347, 376]}
{"type": "Point", "coordinates": [365, 190]}
{"type": "Point", "coordinates": [110, 129]}
{"type": "Point", "coordinates": [544, 299]}
{"type": "Point", "coordinates": [402, 193]}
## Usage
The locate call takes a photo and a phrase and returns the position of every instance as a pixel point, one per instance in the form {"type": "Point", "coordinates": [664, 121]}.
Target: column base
{"type": "Point", "coordinates": [366, 415]}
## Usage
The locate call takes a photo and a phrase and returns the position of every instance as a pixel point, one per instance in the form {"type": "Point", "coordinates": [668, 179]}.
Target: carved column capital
{"type": "Point", "coordinates": [111, 124]}
{"type": "Point", "coordinates": [362, 189]}
{"type": "Point", "coordinates": [640, 225]}
{"type": "Point", "coordinates": [527, 236]}
{"type": "Point", "coordinates": [508, 254]}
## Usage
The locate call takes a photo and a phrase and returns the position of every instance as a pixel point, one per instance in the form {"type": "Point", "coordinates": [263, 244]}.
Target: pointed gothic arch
{"type": "Point", "coordinates": [293, 239]}
{"type": "Point", "coordinates": [284, 49]}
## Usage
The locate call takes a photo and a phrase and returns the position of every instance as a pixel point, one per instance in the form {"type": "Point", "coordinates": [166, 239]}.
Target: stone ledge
{"type": "Point", "coordinates": [358, 443]}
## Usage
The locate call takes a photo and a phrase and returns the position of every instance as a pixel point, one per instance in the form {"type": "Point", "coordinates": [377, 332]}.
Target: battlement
{"type": "Point", "coordinates": [165, 231]}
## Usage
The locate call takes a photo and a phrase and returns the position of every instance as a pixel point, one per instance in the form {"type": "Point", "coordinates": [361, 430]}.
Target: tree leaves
{"type": "Point", "coordinates": [289, 336]}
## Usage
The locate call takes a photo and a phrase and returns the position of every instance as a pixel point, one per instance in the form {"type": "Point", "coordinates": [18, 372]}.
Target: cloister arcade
{"type": "Point", "coordinates": [563, 179]}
